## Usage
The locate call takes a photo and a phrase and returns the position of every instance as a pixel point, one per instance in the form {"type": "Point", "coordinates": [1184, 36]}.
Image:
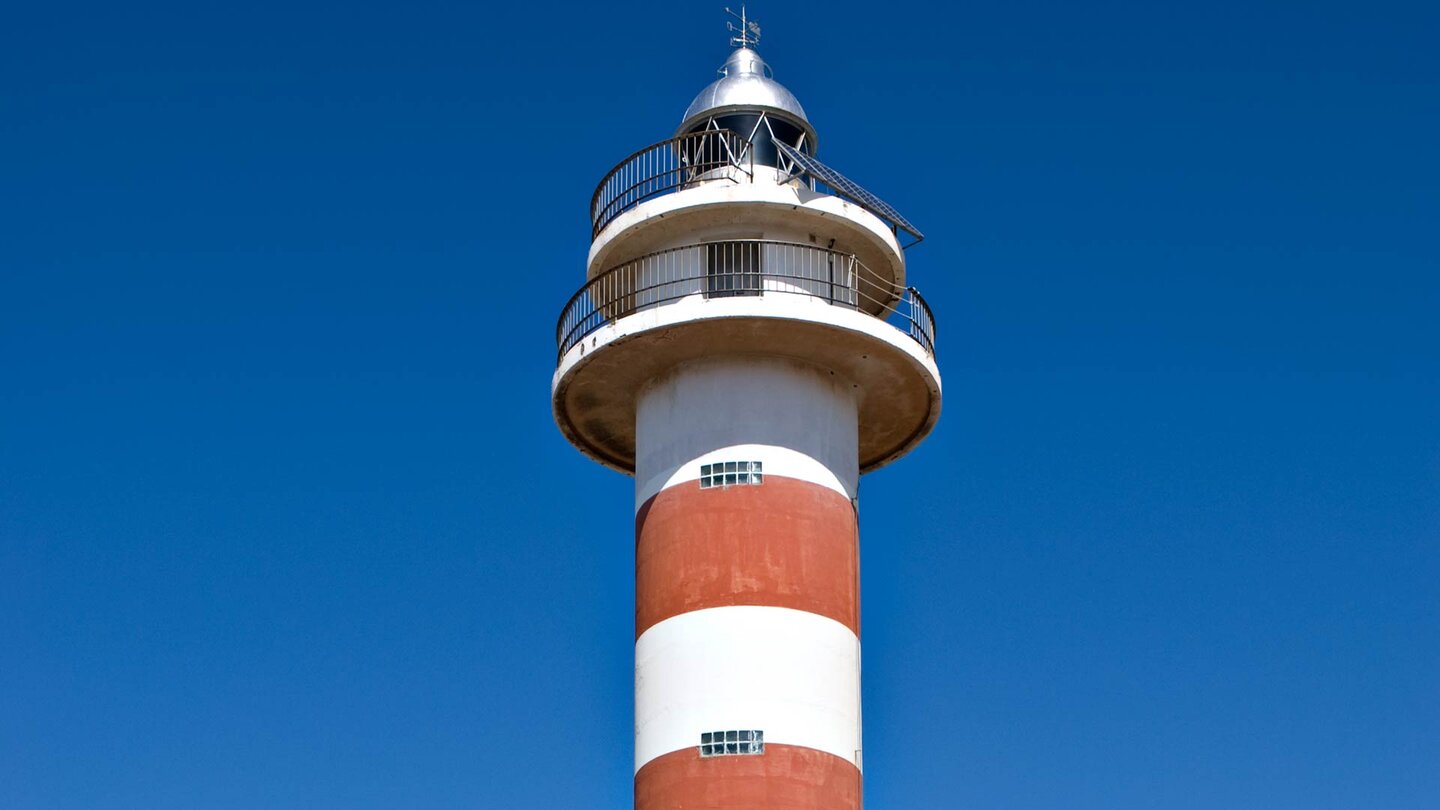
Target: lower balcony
{"type": "Point", "coordinates": [794, 302]}
{"type": "Point", "coordinates": [742, 267]}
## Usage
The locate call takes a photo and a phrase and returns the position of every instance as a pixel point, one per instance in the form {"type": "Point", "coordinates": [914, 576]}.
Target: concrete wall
{"type": "Point", "coordinates": [801, 421]}
{"type": "Point", "coordinates": [747, 595]}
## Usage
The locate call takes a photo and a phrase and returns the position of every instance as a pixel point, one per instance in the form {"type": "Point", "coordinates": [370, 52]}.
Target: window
{"type": "Point", "coordinates": [721, 743]}
{"type": "Point", "coordinates": [732, 268]}
{"type": "Point", "coordinates": [730, 473]}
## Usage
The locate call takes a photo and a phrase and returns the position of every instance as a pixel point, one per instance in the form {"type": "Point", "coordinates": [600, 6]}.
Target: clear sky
{"type": "Point", "coordinates": [285, 522]}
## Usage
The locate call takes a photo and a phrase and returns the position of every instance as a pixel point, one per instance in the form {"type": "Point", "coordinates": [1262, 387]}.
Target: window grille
{"type": "Point", "coordinates": [732, 268]}
{"type": "Point", "coordinates": [722, 743]}
{"type": "Point", "coordinates": [730, 473]}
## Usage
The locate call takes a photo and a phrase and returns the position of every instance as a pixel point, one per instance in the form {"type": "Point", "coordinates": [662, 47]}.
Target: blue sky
{"type": "Point", "coordinates": [285, 523]}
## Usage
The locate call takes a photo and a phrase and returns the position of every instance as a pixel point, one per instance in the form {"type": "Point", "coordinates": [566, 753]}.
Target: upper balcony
{"type": "Point", "coordinates": [678, 163]}
{"type": "Point", "coordinates": [686, 161]}
{"type": "Point", "coordinates": [717, 184]}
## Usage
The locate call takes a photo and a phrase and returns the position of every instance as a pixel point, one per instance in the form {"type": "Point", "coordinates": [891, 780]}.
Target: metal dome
{"type": "Point", "coordinates": [745, 85]}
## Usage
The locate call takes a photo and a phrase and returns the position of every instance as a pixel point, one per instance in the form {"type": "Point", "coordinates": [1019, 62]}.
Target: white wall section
{"type": "Point", "coordinates": [800, 421]}
{"type": "Point", "coordinates": [792, 674]}
{"type": "Point", "coordinates": [781, 461]}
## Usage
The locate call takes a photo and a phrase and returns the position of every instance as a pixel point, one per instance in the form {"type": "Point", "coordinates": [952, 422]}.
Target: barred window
{"type": "Point", "coordinates": [732, 268]}
{"type": "Point", "coordinates": [721, 743]}
{"type": "Point", "coordinates": [729, 473]}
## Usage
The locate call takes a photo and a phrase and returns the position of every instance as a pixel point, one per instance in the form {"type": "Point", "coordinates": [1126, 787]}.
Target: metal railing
{"type": "Point", "coordinates": [669, 166]}
{"type": "Point", "coordinates": [742, 267]}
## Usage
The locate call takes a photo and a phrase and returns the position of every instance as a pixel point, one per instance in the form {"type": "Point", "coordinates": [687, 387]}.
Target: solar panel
{"type": "Point", "coordinates": [845, 187]}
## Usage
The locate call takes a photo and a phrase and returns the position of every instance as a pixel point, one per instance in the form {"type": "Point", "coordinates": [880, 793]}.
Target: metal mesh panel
{"type": "Point", "coordinates": [845, 187]}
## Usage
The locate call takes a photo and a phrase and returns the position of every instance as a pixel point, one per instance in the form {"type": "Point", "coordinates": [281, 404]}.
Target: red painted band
{"type": "Point", "coordinates": [785, 777]}
{"type": "Point", "coordinates": [784, 543]}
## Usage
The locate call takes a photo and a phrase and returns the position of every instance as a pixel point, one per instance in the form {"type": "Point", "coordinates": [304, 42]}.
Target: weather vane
{"type": "Point", "coordinates": [749, 30]}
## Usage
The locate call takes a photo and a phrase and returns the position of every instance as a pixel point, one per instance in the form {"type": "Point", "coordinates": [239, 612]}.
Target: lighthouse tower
{"type": "Point", "coordinates": [746, 346]}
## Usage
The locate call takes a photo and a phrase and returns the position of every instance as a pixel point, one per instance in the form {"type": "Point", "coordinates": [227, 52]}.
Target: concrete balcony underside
{"type": "Point", "coordinates": [596, 386]}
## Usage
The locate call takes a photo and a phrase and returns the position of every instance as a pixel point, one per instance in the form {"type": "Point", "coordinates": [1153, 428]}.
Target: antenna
{"type": "Point", "coordinates": [749, 30]}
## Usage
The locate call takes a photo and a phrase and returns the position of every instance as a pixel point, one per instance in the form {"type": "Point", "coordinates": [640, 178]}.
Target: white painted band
{"type": "Point", "coordinates": [801, 421]}
{"type": "Point", "coordinates": [781, 461]}
{"type": "Point", "coordinates": [791, 674]}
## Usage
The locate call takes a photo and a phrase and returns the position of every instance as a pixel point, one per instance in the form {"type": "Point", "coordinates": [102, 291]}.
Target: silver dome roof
{"type": "Point", "coordinates": [745, 84]}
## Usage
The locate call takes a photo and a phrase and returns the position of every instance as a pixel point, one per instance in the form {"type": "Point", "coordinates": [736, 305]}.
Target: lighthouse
{"type": "Point", "coordinates": [746, 345]}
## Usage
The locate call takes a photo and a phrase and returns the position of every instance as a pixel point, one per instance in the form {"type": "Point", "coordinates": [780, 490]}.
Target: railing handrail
{"type": "Point", "coordinates": [650, 165]}
{"type": "Point", "coordinates": [881, 298]}
{"type": "Point", "coordinates": [918, 303]}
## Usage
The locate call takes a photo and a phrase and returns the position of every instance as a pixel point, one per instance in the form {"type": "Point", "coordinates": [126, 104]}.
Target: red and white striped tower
{"type": "Point", "coordinates": [745, 346]}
